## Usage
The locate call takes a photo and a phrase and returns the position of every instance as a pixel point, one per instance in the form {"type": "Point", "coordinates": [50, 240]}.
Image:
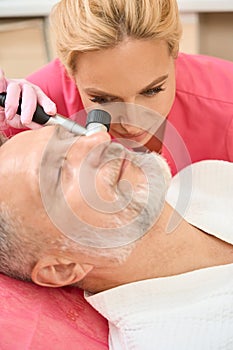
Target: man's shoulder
{"type": "Point", "coordinates": [202, 194]}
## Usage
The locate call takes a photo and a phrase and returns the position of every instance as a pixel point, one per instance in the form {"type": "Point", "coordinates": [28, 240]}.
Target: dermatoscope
{"type": "Point", "coordinates": [97, 119]}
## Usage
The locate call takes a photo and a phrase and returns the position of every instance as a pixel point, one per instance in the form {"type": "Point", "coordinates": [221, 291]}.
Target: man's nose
{"type": "Point", "coordinates": [91, 146]}
{"type": "Point", "coordinates": [97, 138]}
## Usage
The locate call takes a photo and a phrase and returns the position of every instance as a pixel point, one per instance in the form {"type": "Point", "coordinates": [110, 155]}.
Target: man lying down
{"type": "Point", "coordinates": [87, 212]}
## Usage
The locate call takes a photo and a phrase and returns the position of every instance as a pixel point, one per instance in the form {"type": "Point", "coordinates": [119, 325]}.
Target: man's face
{"type": "Point", "coordinates": [129, 80]}
{"type": "Point", "coordinates": [88, 188]}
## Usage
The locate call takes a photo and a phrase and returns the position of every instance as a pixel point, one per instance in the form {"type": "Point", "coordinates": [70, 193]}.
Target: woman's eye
{"type": "Point", "coordinates": [154, 91]}
{"type": "Point", "coordinates": [99, 99]}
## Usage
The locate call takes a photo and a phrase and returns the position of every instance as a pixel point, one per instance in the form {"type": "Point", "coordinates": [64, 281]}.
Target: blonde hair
{"type": "Point", "coordinates": [87, 25]}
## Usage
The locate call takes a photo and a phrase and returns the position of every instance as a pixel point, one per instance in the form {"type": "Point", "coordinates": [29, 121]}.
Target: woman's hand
{"type": "Point", "coordinates": [30, 94]}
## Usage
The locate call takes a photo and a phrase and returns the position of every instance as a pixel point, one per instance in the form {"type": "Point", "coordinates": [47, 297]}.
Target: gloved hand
{"type": "Point", "coordinates": [31, 96]}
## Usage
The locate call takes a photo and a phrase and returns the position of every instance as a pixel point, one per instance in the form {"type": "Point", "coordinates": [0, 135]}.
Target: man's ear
{"type": "Point", "coordinates": [53, 271]}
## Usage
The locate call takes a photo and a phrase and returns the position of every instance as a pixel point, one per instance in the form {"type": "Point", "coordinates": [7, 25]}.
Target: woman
{"type": "Point", "coordinates": [127, 52]}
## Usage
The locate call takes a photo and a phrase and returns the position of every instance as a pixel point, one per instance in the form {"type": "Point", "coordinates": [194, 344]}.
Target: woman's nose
{"type": "Point", "coordinates": [129, 116]}
{"type": "Point", "coordinates": [129, 128]}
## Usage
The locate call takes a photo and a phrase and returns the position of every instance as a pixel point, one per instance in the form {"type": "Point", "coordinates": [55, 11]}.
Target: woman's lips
{"type": "Point", "coordinates": [139, 137]}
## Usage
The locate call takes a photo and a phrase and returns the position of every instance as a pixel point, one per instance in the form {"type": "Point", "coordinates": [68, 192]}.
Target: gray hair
{"type": "Point", "coordinates": [3, 138]}
{"type": "Point", "coordinates": [22, 246]}
{"type": "Point", "coordinates": [16, 253]}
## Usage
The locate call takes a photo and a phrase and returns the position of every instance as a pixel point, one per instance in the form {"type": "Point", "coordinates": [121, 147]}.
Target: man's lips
{"type": "Point", "coordinates": [121, 169]}
{"type": "Point", "coordinates": [116, 154]}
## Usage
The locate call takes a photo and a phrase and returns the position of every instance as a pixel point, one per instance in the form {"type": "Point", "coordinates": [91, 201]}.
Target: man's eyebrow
{"type": "Point", "coordinates": [90, 90]}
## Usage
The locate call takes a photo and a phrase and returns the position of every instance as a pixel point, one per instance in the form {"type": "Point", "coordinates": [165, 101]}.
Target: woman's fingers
{"type": "Point", "coordinates": [30, 95]}
{"type": "Point", "coordinates": [12, 99]}
{"type": "Point", "coordinates": [3, 82]}
{"type": "Point", "coordinates": [29, 103]}
{"type": "Point", "coordinates": [44, 101]}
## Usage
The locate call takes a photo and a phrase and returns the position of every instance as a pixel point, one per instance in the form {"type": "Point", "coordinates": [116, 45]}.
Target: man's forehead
{"type": "Point", "coordinates": [29, 140]}
{"type": "Point", "coordinates": [21, 152]}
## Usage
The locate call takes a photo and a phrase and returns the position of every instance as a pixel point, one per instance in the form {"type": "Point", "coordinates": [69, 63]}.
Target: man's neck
{"type": "Point", "coordinates": [185, 248]}
{"type": "Point", "coordinates": [162, 254]}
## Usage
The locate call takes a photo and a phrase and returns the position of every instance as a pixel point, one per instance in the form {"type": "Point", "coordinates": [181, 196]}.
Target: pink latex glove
{"type": "Point", "coordinates": [31, 96]}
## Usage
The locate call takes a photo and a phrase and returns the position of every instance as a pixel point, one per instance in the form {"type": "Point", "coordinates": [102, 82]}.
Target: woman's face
{"type": "Point", "coordinates": [135, 81]}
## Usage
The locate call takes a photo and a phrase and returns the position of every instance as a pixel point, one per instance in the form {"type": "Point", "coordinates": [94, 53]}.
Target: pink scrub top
{"type": "Point", "coordinates": [200, 123]}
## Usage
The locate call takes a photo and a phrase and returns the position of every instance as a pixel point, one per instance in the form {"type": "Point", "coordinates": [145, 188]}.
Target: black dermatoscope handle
{"type": "Point", "coordinates": [97, 119]}
{"type": "Point", "coordinates": [39, 116]}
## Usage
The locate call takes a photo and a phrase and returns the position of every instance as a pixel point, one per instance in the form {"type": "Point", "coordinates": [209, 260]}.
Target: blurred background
{"type": "Point", "coordinates": [26, 40]}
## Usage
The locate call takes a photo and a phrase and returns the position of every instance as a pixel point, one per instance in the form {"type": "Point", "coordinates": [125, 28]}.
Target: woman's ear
{"type": "Point", "coordinates": [53, 271]}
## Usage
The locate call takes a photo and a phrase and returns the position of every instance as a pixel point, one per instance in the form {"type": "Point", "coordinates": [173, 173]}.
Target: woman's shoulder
{"type": "Point", "coordinates": [205, 76]}
{"type": "Point", "coordinates": [52, 75]}
{"type": "Point", "coordinates": [54, 69]}
{"type": "Point", "coordinates": [54, 80]}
